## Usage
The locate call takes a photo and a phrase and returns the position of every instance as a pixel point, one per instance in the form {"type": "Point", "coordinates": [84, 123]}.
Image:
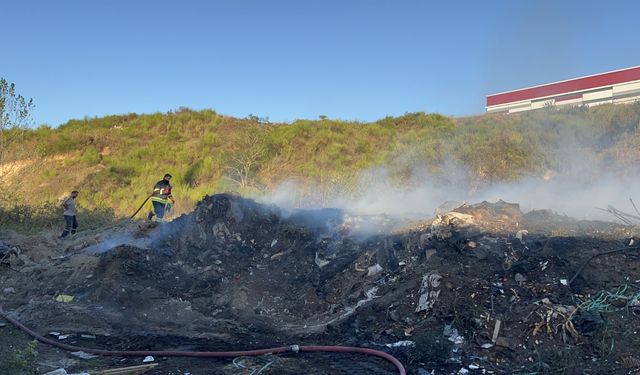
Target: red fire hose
{"type": "Point", "coordinates": [141, 353]}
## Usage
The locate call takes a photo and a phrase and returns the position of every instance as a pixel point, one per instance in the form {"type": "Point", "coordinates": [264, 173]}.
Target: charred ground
{"type": "Point", "coordinates": [236, 274]}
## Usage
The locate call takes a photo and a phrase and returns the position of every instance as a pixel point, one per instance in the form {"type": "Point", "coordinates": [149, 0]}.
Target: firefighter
{"type": "Point", "coordinates": [160, 199]}
{"type": "Point", "coordinates": [70, 221]}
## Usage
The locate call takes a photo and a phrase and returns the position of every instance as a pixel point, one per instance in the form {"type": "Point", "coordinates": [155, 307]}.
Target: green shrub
{"type": "Point", "coordinates": [91, 156]}
{"type": "Point", "coordinates": [21, 361]}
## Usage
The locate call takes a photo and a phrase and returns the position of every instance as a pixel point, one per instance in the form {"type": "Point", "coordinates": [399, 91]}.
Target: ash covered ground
{"type": "Point", "coordinates": [484, 288]}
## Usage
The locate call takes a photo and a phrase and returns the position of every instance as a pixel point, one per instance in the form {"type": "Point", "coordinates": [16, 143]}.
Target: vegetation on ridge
{"type": "Point", "coordinates": [115, 160]}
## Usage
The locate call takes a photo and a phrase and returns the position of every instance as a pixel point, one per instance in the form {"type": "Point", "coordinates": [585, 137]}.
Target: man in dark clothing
{"type": "Point", "coordinates": [160, 198]}
{"type": "Point", "coordinates": [70, 222]}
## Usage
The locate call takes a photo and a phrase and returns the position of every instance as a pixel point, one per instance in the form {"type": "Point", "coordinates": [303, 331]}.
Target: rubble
{"type": "Point", "coordinates": [469, 290]}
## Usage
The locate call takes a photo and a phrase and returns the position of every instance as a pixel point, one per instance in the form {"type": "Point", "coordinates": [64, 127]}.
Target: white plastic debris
{"type": "Point", "coordinates": [148, 359]}
{"type": "Point", "coordinates": [274, 242]}
{"type": "Point", "coordinates": [59, 371]}
{"type": "Point", "coordinates": [486, 346]}
{"type": "Point", "coordinates": [496, 331]}
{"type": "Point", "coordinates": [374, 270]}
{"type": "Point", "coordinates": [53, 333]}
{"type": "Point", "coordinates": [403, 343]}
{"type": "Point", "coordinates": [429, 291]}
{"type": "Point", "coordinates": [62, 337]}
{"type": "Point", "coordinates": [82, 355]}
{"type": "Point", "coordinates": [520, 235]}
{"type": "Point", "coordinates": [463, 371]}
{"type": "Point", "coordinates": [320, 262]}
{"type": "Point", "coordinates": [564, 282]}
{"type": "Point", "coordinates": [453, 335]}
{"type": "Point", "coordinates": [62, 371]}
{"type": "Point", "coordinates": [442, 225]}
{"type": "Point", "coordinates": [473, 366]}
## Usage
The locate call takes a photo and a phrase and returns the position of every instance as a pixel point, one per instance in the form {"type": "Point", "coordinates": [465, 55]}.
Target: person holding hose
{"type": "Point", "coordinates": [160, 199]}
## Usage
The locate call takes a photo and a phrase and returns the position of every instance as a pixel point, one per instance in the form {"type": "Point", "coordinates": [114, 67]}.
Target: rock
{"type": "Point", "coordinates": [506, 343]}
{"type": "Point", "coordinates": [393, 315]}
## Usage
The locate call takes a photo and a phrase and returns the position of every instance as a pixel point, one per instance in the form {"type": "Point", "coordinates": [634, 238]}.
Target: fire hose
{"type": "Point", "coordinates": [230, 354]}
{"type": "Point", "coordinates": [142, 205]}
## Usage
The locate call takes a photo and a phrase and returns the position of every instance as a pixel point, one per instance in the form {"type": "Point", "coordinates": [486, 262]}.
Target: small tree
{"type": "Point", "coordinates": [14, 118]}
{"type": "Point", "coordinates": [244, 161]}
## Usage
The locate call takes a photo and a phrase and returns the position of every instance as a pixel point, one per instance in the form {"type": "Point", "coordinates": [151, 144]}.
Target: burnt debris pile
{"type": "Point", "coordinates": [483, 287]}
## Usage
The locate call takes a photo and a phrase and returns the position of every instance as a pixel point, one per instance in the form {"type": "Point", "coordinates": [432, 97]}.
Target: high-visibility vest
{"type": "Point", "coordinates": [161, 192]}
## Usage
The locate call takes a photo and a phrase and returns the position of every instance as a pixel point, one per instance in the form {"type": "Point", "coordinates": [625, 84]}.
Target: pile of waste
{"type": "Point", "coordinates": [484, 288]}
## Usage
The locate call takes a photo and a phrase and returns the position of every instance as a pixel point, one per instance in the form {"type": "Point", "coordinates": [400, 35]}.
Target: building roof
{"type": "Point", "coordinates": [566, 87]}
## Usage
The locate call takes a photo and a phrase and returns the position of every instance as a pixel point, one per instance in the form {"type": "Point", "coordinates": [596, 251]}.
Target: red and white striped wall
{"type": "Point", "coordinates": [619, 86]}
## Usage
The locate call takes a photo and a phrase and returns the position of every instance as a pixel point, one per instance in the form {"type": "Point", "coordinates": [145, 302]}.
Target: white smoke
{"type": "Point", "coordinates": [582, 180]}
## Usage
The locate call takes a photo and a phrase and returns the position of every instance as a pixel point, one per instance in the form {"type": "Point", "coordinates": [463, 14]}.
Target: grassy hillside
{"type": "Point", "coordinates": [115, 160]}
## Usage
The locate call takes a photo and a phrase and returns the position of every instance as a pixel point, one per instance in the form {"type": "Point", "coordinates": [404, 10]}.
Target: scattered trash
{"type": "Point", "coordinates": [320, 262]}
{"type": "Point", "coordinates": [88, 337]}
{"type": "Point", "coordinates": [53, 333]}
{"type": "Point", "coordinates": [62, 371]}
{"type": "Point", "coordinates": [374, 270]}
{"type": "Point", "coordinates": [486, 346]}
{"type": "Point", "coordinates": [457, 339]}
{"type": "Point", "coordinates": [403, 343]}
{"type": "Point", "coordinates": [64, 298]}
{"type": "Point", "coordinates": [82, 355]}
{"type": "Point", "coordinates": [443, 224]}
{"type": "Point", "coordinates": [520, 235]}
{"type": "Point", "coordinates": [273, 243]}
{"type": "Point", "coordinates": [148, 359]}
{"type": "Point", "coordinates": [63, 337]}
{"type": "Point", "coordinates": [496, 331]}
{"type": "Point", "coordinates": [131, 370]}
{"type": "Point", "coordinates": [3, 325]}
{"type": "Point", "coordinates": [277, 255]}
{"type": "Point", "coordinates": [429, 291]}
{"type": "Point", "coordinates": [9, 290]}
{"type": "Point", "coordinates": [564, 281]}
{"type": "Point", "coordinates": [543, 265]}
{"type": "Point", "coordinates": [59, 371]}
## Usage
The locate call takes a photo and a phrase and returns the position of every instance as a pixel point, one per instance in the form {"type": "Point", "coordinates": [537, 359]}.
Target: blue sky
{"type": "Point", "coordinates": [291, 59]}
